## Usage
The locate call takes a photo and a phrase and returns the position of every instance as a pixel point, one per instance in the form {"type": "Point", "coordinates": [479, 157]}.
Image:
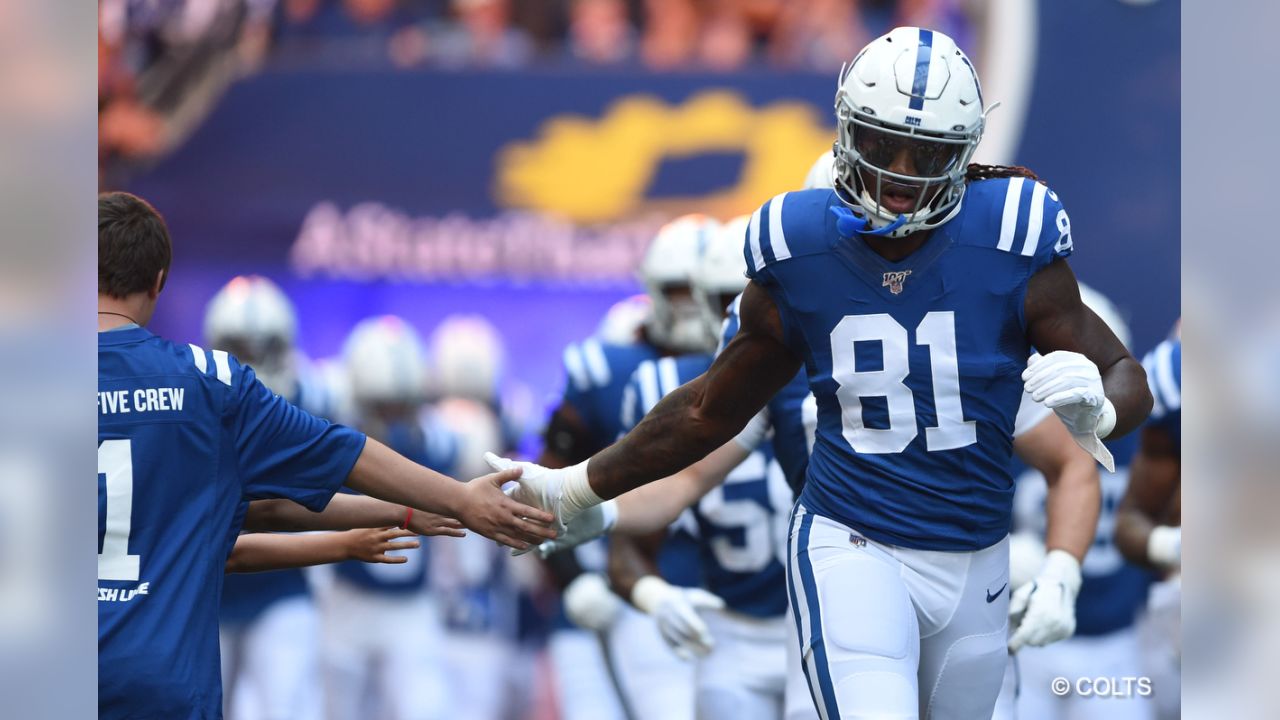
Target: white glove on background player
{"type": "Point", "coordinates": [564, 492]}
{"type": "Point", "coordinates": [676, 611]}
{"type": "Point", "coordinates": [590, 604]}
{"type": "Point", "coordinates": [1044, 610]}
{"type": "Point", "coordinates": [1164, 546]}
{"type": "Point", "coordinates": [1069, 384]}
{"type": "Point", "coordinates": [587, 525]}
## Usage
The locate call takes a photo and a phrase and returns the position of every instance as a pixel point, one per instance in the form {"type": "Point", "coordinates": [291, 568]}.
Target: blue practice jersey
{"type": "Point", "coordinates": [184, 436]}
{"type": "Point", "coordinates": [1164, 376]}
{"type": "Point", "coordinates": [915, 365]}
{"type": "Point", "coordinates": [731, 541]}
{"type": "Point", "coordinates": [785, 410]}
{"type": "Point", "coordinates": [1114, 590]}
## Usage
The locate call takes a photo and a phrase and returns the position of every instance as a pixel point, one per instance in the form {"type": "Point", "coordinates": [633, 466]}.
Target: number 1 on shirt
{"type": "Point", "coordinates": [115, 461]}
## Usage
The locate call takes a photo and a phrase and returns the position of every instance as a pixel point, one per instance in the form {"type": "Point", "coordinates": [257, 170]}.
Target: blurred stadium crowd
{"type": "Point", "coordinates": [161, 63]}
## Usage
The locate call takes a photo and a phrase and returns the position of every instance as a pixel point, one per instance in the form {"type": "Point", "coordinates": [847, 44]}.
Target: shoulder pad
{"type": "Point", "coordinates": [586, 365]}
{"type": "Point", "coordinates": [789, 225]}
{"type": "Point", "coordinates": [1016, 215]}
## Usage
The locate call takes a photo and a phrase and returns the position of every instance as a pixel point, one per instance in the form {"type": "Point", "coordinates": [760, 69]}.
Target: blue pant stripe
{"type": "Point", "coordinates": [795, 603]}
{"type": "Point", "coordinates": [816, 643]}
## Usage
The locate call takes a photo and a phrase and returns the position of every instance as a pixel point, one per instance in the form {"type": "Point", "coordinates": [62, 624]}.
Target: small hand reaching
{"type": "Point", "coordinates": [490, 512]}
{"type": "Point", "coordinates": [371, 545]}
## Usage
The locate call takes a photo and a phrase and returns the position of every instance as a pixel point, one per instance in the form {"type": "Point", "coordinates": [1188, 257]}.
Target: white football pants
{"type": "Point", "coordinates": [584, 688]}
{"type": "Point", "coordinates": [890, 632]}
{"type": "Point", "coordinates": [657, 684]}
{"type": "Point", "coordinates": [270, 667]}
{"type": "Point", "coordinates": [745, 675]}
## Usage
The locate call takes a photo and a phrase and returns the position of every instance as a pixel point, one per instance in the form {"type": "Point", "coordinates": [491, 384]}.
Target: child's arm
{"type": "Point", "coordinates": [343, 513]}
{"type": "Point", "coordinates": [257, 552]}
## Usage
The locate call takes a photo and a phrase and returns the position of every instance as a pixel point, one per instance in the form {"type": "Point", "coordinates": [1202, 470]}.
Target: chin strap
{"type": "Point", "coordinates": [847, 224]}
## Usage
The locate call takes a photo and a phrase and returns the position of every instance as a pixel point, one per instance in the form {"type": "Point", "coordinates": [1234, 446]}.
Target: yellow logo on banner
{"type": "Point", "coordinates": [591, 170]}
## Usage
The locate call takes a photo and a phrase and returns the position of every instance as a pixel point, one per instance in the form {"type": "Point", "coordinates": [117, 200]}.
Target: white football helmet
{"type": "Point", "coordinates": [251, 318]}
{"type": "Point", "coordinates": [386, 363]}
{"type": "Point", "coordinates": [466, 358]}
{"type": "Point", "coordinates": [910, 98]}
{"type": "Point", "coordinates": [721, 273]}
{"type": "Point", "coordinates": [1102, 306]}
{"type": "Point", "coordinates": [621, 324]}
{"type": "Point", "coordinates": [667, 270]}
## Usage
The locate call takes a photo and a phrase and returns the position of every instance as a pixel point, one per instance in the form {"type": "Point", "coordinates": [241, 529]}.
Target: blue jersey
{"type": "Point", "coordinates": [597, 373]}
{"type": "Point", "coordinates": [184, 435]}
{"type": "Point", "coordinates": [1164, 376]}
{"type": "Point", "coordinates": [730, 542]}
{"type": "Point", "coordinates": [915, 365]}
{"type": "Point", "coordinates": [245, 596]}
{"type": "Point", "coordinates": [786, 416]}
{"type": "Point", "coordinates": [1114, 590]}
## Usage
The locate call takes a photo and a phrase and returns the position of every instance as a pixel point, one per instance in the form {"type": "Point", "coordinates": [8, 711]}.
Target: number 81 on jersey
{"type": "Point", "coordinates": [937, 331]}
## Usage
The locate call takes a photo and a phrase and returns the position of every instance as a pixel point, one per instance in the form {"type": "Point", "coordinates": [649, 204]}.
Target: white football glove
{"type": "Point", "coordinates": [587, 525]}
{"type": "Point", "coordinates": [590, 604]}
{"type": "Point", "coordinates": [676, 611]}
{"type": "Point", "coordinates": [1069, 384]}
{"type": "Point", "coordinates": [564, 492]}
{"type": "Point", "coordinates": [1044, 610]}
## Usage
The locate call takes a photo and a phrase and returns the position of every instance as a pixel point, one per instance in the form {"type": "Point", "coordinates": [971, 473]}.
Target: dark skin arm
{"type": "Point", "coordinates": [1057, 319]}
{"type": "Point", "coordinates": [631, 557]}
{"type": "Point", "coordinates": [1155, 482]}
{"type": "Point", "coordinates": [706, 412]}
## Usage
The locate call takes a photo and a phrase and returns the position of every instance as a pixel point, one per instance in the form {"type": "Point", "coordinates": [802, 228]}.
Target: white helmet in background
{"type": "Point", "coordinates": [911, 90]}
{"type": "Point", "coordinates": [251, 318]}
{"type": "Point", "coordinates": [820, 172]}
{"type": "Point", "coordinates": [721, 273]}
{"type": "Point", "coordinates": [1102, 306]}
{"type": "Point", "coordinates": [622, 323]}
{"type": "Point", "coordinates": [467, 356]}
{"type": "Point", "coordinates": [667, 269]}
{"type": "Point", "coordinates": [386, 362]}
{"type": "Point", "coordinates": [476, 428]}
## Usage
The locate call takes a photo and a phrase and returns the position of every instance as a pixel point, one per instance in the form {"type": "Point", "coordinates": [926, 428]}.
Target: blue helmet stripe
{"type": "Point", "coordinates": [923, 53]}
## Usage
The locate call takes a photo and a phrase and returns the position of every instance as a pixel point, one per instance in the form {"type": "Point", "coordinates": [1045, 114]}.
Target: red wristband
{"type": "Point", "coordinates": [407, 517]}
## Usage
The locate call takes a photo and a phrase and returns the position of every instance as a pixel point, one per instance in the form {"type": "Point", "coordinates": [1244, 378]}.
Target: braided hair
{"type": "Point", "coordinates": [991, 172]}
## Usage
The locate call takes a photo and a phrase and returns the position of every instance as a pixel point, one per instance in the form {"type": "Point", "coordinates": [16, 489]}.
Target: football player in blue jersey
{"type": "Point", "coordinates": [267, 622]}
{"type": "Point", "coordinates": [736, 622]}
{"type": "Point", "coordinates": [587, 420]}
{"type": "Point", "coordinates": [913, 294]}
{"type": "Point", "coordinates": [184, 436]}
{"type": "Point", "coordinates": [1149, 524]}
{"type": "Point", "coordinates": [383, 644]}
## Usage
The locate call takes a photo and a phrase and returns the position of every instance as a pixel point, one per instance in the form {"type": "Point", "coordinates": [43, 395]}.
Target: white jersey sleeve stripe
{"type": "Point", "coordinates": [197, 354]}
{"type": "Point", "coordinates": [1036, 220]}
{"type": "Point", "coordinates": [777, 241]}
{"type": "Point", "coordinates": [647, 374]}
{"type": "Point", "coordinates": [1009, 221]}
{"type": "Point", "coordinates": [574, 365]}
{"type": "Point", "coordinates": [597, 365]}
{"type": "Point", "coordinates": [668, 378]}
{"type": "Point", "coordinates": [1170, 394]}
{"type": "Point", "coordinates": [223, 366]}
{"type": "Point", "coordinates": [753, 238]}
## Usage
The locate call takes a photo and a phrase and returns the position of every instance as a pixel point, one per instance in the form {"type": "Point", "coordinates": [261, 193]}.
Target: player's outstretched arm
{"type": "Point", "coordinates": [1074, 491]}
{"type": "Point", "coordinates": [259, 552]}
{"type": "Point", "coordinates": [345, 512]}
{"type": "Point", "coordinates": [1063, 328]}
{"type": "Point", "coordinates": [655, 506]}
{"type": "Point", "coordinates": [479, 504]}
{"type": "Point", "coordinates": [1145, 532]}
{"type": "Point", "coordinates": [706, 412]}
